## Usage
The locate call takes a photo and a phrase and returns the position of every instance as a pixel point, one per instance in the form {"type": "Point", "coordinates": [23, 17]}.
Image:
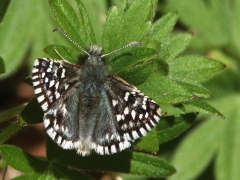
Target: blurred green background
{"type": "Point", "coordinates": [211, 148]}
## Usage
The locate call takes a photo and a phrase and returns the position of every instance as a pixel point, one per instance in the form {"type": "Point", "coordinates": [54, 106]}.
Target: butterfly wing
{"type": "Point", "coordinates": [126, 114]}
{"type": "Point", "coordinates": [123, 115]}
{"type": "Point", "coordinates": [55, 86]}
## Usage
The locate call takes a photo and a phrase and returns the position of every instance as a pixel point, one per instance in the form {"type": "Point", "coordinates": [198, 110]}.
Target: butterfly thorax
{"type": "Point", "coordinates": [92, 78]}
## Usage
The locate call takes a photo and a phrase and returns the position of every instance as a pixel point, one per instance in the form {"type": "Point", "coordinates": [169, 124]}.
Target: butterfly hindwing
{"type": "Point", "coordinates": [129, 116]}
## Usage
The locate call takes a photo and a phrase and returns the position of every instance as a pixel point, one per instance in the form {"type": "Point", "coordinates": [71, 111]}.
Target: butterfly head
{"type": "Point", "coordinates": [95, 50]}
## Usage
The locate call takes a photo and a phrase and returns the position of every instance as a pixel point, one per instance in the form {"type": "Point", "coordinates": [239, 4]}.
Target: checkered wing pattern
{"type": "Point", "coordinates": [85, 108]}
{"type": "Point", "coordinates": [129, 115]}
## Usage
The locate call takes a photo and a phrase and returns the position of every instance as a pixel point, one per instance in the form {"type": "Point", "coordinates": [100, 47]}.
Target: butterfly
{"type": "Point", "coordinates": [86, 108]}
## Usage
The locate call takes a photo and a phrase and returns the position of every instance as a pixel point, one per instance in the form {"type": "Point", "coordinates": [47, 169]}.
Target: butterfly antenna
{"type": "Point", "coordinates": [127, 45]}
{"type": "Point", "coordinates": [67, 36]}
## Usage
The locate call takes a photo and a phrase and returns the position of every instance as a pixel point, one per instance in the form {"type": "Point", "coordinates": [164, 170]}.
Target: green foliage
{"type": "Point", "coordinates": [3, 8]}
{"type": "Point", "coordinates": [156, 68]}
{"type": "Point", "coordinates": [2, 66]}
{"type": "Point", "coordinates": [216, 32]}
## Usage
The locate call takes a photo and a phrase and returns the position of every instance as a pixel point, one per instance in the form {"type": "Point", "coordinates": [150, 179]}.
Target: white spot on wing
{"type": "Point", "coordinates": [34, 70]}
{"type": "Point", "coordinates": [67, 145]}
{"type": "Point", "coordinates": [63, 73]}
{"type": "Point", "coordinates": [126, 144]}
{"type": "Point", "coordinates": [66, 86]}
{"type": "Point", "coordinates": [59, 140]}
{"type": "Point", "coordinates": [51, 83]}
{"type": "Point", "coordinates": [131, 124]}
{"type": "Point", "coordinates": [40, 98]}
{"type": "Point", "coordinates": [127, 137]}
{"type": "Point", "coordinates": [38, 90]}
{"type": "Point", "coordinates": [148, 127]}
{"type": "Point", "coordinates": [144, 107]}
{"type": "Point", "coordinates": [114, 102]}
{"type": "Point", "coordinates": [48, 93]}
{"type": "Point", "coordinates": [46, 80]}
{"type": "Point", "coordinates": [45, 106]}
{"type": "Point", "coordinates": [143, 131]}
{"type": "Point", "coordinates": [51, 133]}
{"type": "Point", "coordinates": [126, 96]}
{"type": "Point", "coordinates": [119, 117]}
{"type": "Point", "coordinates": [121, 146]}
{"type": "Point", "coordinates": [36, 63]}
{"type": "Point", "coordinates": [106, 150]}
{"type": "Point", "coordinates": [133, 113]}
{"type": "Point", "coordinates": [126, 111]}
{"type": "Point", "coordinates": [100, 150]}
{"type": "Point", "coordinates": [57, 95]}
{"type": "Point", "coordinates": [124, 127]}
{"type": "Point", "coordinates": [146, 115]}
{"type": "Point", "coordinates": [57, 85]}
{"type": "Point", "coordinates": [135, 135]}
{"type": "Point", "coordinates": [113, 149]}
{"type": "Point", "coordinates": [36, 83]}
{"type": "Point", "coordinates": [152, 123]}
{"type": "Point", "coordinates": [34, 77]}
{"type": "Point", "coordinates": [46, 122]}
{"type": "Point", "coordinates": [156, 118]}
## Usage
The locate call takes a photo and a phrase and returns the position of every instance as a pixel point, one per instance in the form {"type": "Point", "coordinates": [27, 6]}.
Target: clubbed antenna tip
{"type": "Point", "coordinates": [135, 43]}
{"type": "Point", "coordinates": [127, 45]}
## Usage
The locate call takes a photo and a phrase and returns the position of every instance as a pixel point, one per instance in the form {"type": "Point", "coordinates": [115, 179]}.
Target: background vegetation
{"type": "Point", "coordinates": [184, 47]}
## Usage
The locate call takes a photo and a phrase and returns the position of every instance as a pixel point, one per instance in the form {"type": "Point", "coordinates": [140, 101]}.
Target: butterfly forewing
{"type": "Point", "coordinates": [52, 80]}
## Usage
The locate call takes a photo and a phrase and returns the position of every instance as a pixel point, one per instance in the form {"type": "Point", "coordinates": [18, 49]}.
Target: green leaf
{"type": "Point", "coordinates": [171, 47]}
{"type": "Point", "coordinates": [68, 20]}
{"type": "Point", "coordinates": [197, 90]}
{"type": "Point", "coordinates": [112, 30]}
{"type": "Point", "coordinates": [125, 162]}
{"type": "Point", "coordinates": [35, 175]}
{"type": "Point", "coordinates": [21, 160]}
{"type": "Point", "coordinates": [193, 14]}
{"type": "Point", "coordinates": [86, 29]}
{"type": "Point", "coordinates": [11, 113]}
{"type": "Point", "coordinates": [203, 107]}
{"type": "Point", "coordinates": [60, 170]}
{"type": "Point", "coordinates": [194, 69]}
{"type": "Point", "coordinates": [2, 65]}
{"type": "Point", "coordinates": [129, 57]}
{"type": "Point", "coordinates": [9, 131]}
{"type": "Point", "coordinates": [164, 90]}
{"type": "Point", "coordinates": [149, 142]}
{"type": "Point", "coordinates": [227, 161]}
{"type": "Point", "coordinates": [32, 113]}
{"type": "Point", "coordinates": [151, 166]}
{"type": "Point", "coordinates": [160, 30]}
{"type": "Point", "coordinates": [200, 146]}
{"type": "Point", "coordinates": [140, 72]}
{"type": "Point", "coordinates": [61, 53]}
{"type": "Point", "coordinates": [121, 28]}
{"type": "Point", "coordinates": [170, 127]}
{"type": "Point", "coordinates": [3, 8]}
{"type": "Point", "coordinates": [135, 27]}
{"type": "Point", "coordinates": [25, 39]}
